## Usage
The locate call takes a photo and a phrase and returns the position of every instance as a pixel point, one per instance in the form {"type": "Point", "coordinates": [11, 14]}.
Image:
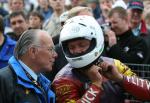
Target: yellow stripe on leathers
{"type": "Point", "coordinates": [123, 68]}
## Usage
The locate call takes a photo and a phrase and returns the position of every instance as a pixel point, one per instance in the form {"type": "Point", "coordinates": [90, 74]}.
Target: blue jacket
{"type": "Point", "coordinates": [6, 51]}
{"type": "Point", "coordinates": [28, 92]}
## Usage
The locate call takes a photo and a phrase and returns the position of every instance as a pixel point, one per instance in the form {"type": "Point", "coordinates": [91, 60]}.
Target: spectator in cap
{"type": "Point", "coordinates": [135, 12]}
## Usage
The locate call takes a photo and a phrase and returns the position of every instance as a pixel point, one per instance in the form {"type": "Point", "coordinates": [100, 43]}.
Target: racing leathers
{"type": "Point", "coordinates": [72, 87]}
{"type": "Point", "coordinates": [138, 87]}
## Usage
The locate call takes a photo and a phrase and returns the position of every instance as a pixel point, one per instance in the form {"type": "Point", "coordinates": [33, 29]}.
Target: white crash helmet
{"type": "Point", "coordinates": [82, 27]}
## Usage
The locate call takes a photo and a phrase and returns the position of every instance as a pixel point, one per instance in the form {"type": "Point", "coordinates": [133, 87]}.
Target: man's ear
{"type": "Point", "coordinates": [32, 52]}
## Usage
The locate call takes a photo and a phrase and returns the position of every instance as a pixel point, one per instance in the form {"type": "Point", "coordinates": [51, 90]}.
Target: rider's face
{"type": "Point", "coordinates": [78, 46]}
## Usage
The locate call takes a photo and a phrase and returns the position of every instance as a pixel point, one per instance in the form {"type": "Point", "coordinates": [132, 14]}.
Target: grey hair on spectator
{"type": "Point", "coordinates": [27, 39]}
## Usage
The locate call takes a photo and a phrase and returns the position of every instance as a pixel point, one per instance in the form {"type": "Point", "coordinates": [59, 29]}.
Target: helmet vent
{"type": "Point", "coordinates": [82, 24]}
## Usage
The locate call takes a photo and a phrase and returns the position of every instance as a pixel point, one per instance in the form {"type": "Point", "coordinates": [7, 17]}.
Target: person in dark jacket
{"type": "Point", "coordinates": [121, 43]}
{"type": "Point", "coordinates": [3, 12]}
{"type": "Point", "coordinates": [7, 46]}
{"type": "Point", "coordinates": [22, 80]}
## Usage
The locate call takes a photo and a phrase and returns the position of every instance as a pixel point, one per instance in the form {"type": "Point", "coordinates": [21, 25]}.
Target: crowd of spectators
{"type": "Point", "coordinates": [125, 25]}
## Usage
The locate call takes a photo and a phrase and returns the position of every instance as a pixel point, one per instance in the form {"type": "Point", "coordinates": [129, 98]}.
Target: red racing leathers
{"type": "Point", "coordinates": [138, 87]}
{"type": "Point", "coordinates": [71, 87]}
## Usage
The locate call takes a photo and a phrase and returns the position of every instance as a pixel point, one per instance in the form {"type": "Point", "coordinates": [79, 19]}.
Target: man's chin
{"type": "Point", "coordinates": [49, 69]}
{"type": "Point", "coordinates": [18, 33]}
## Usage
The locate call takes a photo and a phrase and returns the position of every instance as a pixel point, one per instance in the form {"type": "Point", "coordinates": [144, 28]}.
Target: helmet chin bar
{"type": "Point", "coordinates": [91, 64]}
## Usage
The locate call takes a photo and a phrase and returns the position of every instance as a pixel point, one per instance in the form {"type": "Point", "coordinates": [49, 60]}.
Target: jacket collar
{"type": "Point", "coordinates": [16, 66]}
{"type": "Point", "coordinates": [18, 69]}
{"type": "Point", "coordinates": [125, 35]}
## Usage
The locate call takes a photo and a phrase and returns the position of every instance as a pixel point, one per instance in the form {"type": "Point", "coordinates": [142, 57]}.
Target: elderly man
{"type": "Point", "coordinates": [34, 54]}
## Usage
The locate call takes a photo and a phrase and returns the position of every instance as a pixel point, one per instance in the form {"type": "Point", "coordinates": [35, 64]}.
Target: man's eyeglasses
{"type": "Point", "coordinates": [50, 49]}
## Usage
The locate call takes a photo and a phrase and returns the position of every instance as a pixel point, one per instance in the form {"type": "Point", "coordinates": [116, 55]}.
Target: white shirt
{"type": "Point", "coordinates": [30, 71]}
{"type": "Point", "coordinates": [136, 31]}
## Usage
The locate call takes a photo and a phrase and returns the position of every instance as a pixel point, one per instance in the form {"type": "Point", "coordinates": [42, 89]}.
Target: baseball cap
{"type": "Point", "coordinates": [136, 4]}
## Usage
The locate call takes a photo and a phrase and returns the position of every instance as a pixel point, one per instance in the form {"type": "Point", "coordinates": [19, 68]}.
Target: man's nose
{"type": "Point", "coordinates": [135, 13]}
{"type": "Point", "coordinates": [55, 55]}
{"type": "Point", "coordinates": [17, 25]}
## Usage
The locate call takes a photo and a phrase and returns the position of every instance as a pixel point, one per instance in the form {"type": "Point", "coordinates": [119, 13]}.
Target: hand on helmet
{"type": "Point", "coordinates": [94, 75]}
{"type": "Point", "coordinates": [110, 71]}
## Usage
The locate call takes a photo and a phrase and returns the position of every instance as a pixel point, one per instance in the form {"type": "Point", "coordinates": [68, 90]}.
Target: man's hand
{"type": "Point", "coordinates": [94, 75]}
{"type": "Point", "coordinates": [111, 37]}
{"type": "Point", "coordinates": [110, 71]}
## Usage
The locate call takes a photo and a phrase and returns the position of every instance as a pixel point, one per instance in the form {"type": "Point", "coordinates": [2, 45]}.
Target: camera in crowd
{"type": "Point", "coordinates": [105, 27]}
